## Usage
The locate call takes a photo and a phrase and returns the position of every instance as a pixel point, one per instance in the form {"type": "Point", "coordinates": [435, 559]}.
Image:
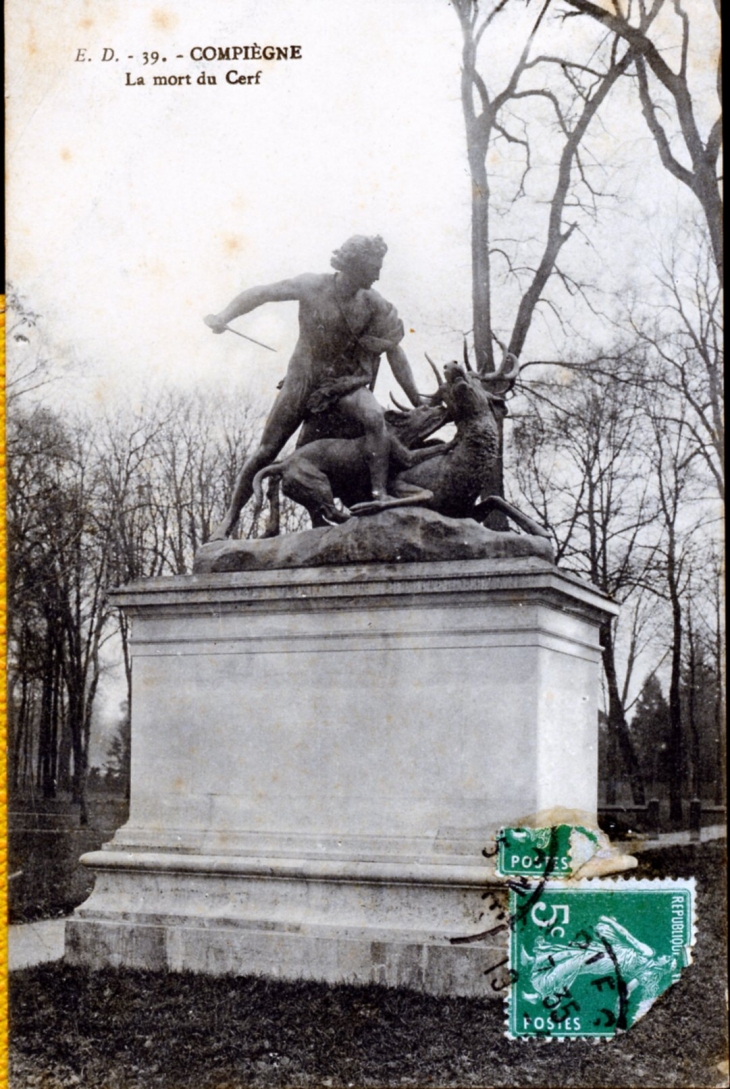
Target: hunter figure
{"type": "Point", "coordinates": [344, 327]}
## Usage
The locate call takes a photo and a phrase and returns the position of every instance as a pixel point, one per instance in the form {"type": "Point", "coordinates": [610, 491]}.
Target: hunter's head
{"type": "Point", "coordinates": [360, 259]}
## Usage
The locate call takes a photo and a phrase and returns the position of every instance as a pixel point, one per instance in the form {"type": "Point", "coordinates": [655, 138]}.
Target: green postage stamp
{"type": "Point", "coordinates": [588, 958]}
{"type": "Point", "coordinates": [538, 852]}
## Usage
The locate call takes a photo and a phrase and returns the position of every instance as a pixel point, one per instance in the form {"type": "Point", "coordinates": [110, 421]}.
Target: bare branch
{"type": "Point", "coordinates": [556, 237]}
{"type": "Point", "coordinates": [479, 34]}
{"type": "Point", "coordinates": [647, 108]}
{"type": "Point", "coordinates": [547, 58]}
{"type": "Point", "coordinates": [701, 179]}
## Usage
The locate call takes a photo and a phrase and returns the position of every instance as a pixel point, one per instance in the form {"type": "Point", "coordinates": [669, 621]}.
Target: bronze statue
{"type": "Point", "coordinates": [344, 326]}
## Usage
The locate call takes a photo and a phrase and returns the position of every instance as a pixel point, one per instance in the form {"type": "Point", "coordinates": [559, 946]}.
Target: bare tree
{"type": "Point", "coordinates": [582, 469]}
{"type": "Point", "coordinates": [560, 96]}
{"type": "Point", "coordinates": [167, 474]}
{"type": "Point", "coordinates": [57, 579]}
{"type": "Point", "coordinates": [124, 451]}
{"type": "Point", "coordinates": [685, 521]}
{"type": "Point", "coordinates": [683, 345]}
{"type": "Point", "coordinates": [37, 447]}
{"type": "Point", "coordinates": [665, 92]}
{"type": "Point", "coordinates": [711, 631]}
{"type": "Point", "coordinates": [196, 452]}
{"type": "Point", "coordinates": [92, 504]}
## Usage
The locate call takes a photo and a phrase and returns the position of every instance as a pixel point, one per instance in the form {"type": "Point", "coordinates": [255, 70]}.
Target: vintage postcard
{"type": "Point", "coordinates": [364, 570]}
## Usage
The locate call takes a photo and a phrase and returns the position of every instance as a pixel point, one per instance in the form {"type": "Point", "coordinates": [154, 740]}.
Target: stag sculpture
{"type": "Point", "coordinates": [446, 477]}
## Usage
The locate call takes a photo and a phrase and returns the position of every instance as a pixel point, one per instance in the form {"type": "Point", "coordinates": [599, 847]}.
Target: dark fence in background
{"type": "Point", "coordinates": [45, 842]}
{"type": "Point", "coordinates": [653, 818]}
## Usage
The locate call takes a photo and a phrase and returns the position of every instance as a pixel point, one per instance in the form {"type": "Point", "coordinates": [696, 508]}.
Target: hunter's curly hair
{"type": "Point", "coordinates": [359, 247]}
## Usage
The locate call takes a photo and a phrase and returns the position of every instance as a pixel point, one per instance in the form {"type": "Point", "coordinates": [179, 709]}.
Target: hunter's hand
{"type": "Point", "coordinates": [214, 322]}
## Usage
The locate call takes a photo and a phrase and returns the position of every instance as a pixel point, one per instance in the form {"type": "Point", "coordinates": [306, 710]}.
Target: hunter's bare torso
{"type": "Point", "coordinates": [330, 325]}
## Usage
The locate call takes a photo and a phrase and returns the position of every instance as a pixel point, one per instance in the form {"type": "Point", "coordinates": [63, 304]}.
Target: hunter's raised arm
{"type": "Point", "coordinates": [282, 291]}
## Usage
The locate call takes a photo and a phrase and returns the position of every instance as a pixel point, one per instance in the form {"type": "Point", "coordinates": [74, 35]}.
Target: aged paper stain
{"type": "Point", "coordinates": [163, 19]}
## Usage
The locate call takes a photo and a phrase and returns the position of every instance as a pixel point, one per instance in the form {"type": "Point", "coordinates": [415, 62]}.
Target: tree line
{"type": "Point", "coordinates": [618, 456]}
{"type": "Point", "coordinates": [94, 502]}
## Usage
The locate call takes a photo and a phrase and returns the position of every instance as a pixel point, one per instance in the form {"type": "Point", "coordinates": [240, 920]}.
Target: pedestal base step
{"type": "Point", "coordinates": [435, 967]}
{"type": "Point", "coordinates": [339, 922]}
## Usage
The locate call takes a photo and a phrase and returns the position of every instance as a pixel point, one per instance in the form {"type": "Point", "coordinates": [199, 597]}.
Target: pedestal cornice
{"type": "Point", "coordinates": [471, 582]}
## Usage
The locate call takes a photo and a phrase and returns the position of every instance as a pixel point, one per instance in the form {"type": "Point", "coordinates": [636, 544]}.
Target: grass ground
{"type": "Point", "coordinates": [124, 1029]}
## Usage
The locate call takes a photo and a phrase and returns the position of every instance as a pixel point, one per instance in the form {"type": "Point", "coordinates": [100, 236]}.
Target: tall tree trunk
{"type": "Point", "coordinates": [478, 129]}
{"type": "Point", "coordinates": [719, 704]}
{"type": "Point", "coordinates": [611, 771]}
{"type": "Point", "coordinates": [27, 778]}
{"type": "Point", "coordinates": [477, 143]}
{"type": "Point", "coordinates": [617, 725]}
{"type": "Point", "coordinates": [80, 755]}
{"type": "Point", "coordinates": [55, 717]}
{"type": "Point", "coordinates": [721, 745]}
{"type": "Point", "coordinates": [45, 731]}
{"type": "Point", "coordinates": [676, 754]}
{"type": "Point", "coordinates": [21, 725]}
{"type": "Point", "coordinates": [64, 750]}
{"type": "Point", "coordinates": [696, 769]}
{"type": "Point", "coordinates": [480, 261]}
{"type": "Point", "coordinates": [78, 788]}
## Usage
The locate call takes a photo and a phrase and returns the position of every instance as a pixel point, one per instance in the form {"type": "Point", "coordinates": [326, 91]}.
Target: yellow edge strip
{"type": "Point", "coordinates": [3, 728]}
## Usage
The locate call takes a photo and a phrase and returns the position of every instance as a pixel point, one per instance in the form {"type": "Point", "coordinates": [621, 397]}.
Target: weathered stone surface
{"type": "Point", "coordinates": [320, 756]}
{"type": "Point", "coordinates": [403, 535]}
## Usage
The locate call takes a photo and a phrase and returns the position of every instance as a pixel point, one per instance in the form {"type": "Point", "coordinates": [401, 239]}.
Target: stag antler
{"type": "Point", "coordinates": [506, 374]}
{"type": "Point", "coordinates": [398, 405]}
{"type": "Point", "coordinates": [434, 368]}
{"type": "Point", "coordinates": [440, 384]}
{"type": "Point", "coordinates": [467, 364]}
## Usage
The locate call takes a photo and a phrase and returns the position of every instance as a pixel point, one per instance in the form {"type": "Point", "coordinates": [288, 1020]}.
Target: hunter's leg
{"type": "Point", "coordinates": [362, 406]}
{"type": "Point", "coordinates": [285, 417]}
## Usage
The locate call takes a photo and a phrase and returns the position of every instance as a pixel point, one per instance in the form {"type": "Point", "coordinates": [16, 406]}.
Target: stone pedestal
{"type": "Point", "coordinates": [320, 755]}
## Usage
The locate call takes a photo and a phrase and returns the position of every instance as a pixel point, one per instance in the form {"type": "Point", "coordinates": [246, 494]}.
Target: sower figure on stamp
{"type": "Point", "coordinates": [344, 326]}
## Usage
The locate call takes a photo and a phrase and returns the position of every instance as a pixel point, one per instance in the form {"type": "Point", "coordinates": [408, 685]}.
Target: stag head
{"type": "Point", "coordinates": [451, 401]}
{"type": "Point", "coordinates": [470, 394]}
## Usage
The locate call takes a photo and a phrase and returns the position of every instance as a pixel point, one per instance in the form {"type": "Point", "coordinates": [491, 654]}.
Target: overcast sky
{"type": "Point", "coordinates": [135, 210]}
